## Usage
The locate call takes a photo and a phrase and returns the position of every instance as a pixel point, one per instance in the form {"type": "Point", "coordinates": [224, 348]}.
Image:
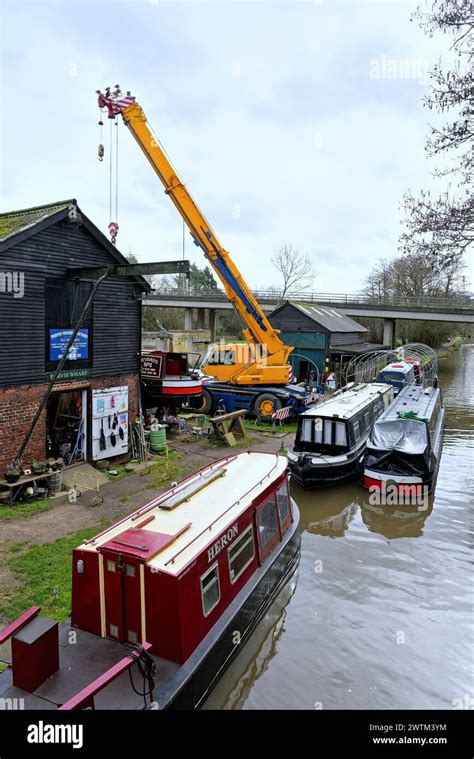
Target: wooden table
{"type": "Point", "coordinates": [24, 480]}
{"type": "Point", "coordinates": [226, 425]}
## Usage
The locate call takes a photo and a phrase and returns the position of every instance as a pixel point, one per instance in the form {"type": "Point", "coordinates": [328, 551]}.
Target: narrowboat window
{"type": "Point", "coordinates": [267, 522]}
{"type": "Point", "coordinates": [306, 430]}
{"type": "Point", "coordinates": [341, 437]}
{"type": "Point", "coordinates": [328, 431]}
{"type": "Point", "coordinates": [113, 631]}
{"type": "Point", "coordinates": [129, 570]}
{"type": "Point", "coordinates": [318, 430]}
{"type": "Point", "coordinates": [132, 637]}
{"type": "Point", "coordinates": [283, 503]}
{"type": "Point", "coordinates": [241, 554]}
{"type": "Point", "coordinates": [356, 429]}
{"type": "Point", "coordinates": [367, 420]}
{"type": "Point", "coordinates": [111, 566]}
{"type": "Point", "coordinates": [210, 590]}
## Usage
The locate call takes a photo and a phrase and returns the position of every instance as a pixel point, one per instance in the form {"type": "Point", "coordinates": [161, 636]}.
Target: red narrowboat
{"type": "Point", "coordinates": [188, 576]}
{"type": "Point", "coordinates": [166, 379]}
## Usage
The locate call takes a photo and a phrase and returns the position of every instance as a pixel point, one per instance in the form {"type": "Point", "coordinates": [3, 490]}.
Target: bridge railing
{"type": "Point", "coordinates": [433, 302]}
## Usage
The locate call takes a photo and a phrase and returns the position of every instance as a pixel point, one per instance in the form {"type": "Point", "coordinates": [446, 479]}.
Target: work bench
{"type": "Point", "coordinates": [224, 426]}
{"type": "Point", "coordinates": [25, 480]}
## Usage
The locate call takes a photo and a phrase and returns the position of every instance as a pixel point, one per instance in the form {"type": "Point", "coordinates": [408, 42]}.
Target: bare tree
{"type": "Point", "coordinates": [296, 269]}
{"type": "Point", "coordinates": [443, 226]}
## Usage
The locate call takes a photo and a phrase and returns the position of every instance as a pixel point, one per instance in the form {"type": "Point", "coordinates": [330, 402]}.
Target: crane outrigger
{"type": "Point", "coordinates": [259, 368]}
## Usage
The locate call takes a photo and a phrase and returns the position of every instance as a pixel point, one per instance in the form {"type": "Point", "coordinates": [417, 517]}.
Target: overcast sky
{"type": "Point", "coordinates": [295, 122]}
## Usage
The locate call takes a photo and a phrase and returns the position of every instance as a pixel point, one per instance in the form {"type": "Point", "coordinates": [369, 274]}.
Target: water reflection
{"type": "Point", "coordinates": [232, 691]}
{"type": "Point", "coordinates": [325, 512]}
{"type": "Point", "coordinates": [406, 521]}
{"type": "Point", "coordinates": [330, 513]}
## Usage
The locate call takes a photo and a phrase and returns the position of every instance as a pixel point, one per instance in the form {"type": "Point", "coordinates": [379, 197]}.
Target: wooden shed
{"type": "Point", "coordinates": [319, 334]}
{"type": "Point", "coordinates": [39, 305]}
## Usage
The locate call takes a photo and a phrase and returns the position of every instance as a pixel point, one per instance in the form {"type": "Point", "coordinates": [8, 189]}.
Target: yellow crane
{"type": "Point", "coordinates": [263, 361]}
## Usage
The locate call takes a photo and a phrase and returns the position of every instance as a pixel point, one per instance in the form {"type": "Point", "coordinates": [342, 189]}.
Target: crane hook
{"type": "Point", "coordinates": [113, 230]}
{"type": "Point", "coordinates": [101, 152]}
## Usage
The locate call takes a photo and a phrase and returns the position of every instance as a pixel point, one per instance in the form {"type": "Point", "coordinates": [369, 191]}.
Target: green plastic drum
{"type": "Point", "coordinates": [158, 439]}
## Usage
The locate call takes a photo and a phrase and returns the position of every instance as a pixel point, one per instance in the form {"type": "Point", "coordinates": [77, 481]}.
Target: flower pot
{"type": "Point", "coordinates": [11, 478]}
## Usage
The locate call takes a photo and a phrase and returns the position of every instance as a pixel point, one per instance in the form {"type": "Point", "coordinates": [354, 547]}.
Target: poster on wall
{"type": "Point", "coordinates": [58, 341]}
{"type": "Point", "coordinates": [109, 422]}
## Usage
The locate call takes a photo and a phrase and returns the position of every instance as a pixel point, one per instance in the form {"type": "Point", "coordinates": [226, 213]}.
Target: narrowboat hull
{"type": "Point", "coordinates": [192, 683]}
{"type": "Point", "coordinates": [406, 482]}
{"type": "Point", "coordinates": [328, 471]}
{"type": "Point", "coordinates": [170, 391]}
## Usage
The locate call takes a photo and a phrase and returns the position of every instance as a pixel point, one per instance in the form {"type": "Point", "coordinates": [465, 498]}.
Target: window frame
{"type": "Point", "coordinates": [249, 529]}
{"type": "Point", "coordinates": [208, 571]}
{"type": "Point", "coordinates": [265, 550]}
{"type": "Point", "coordinates": [289, 517]}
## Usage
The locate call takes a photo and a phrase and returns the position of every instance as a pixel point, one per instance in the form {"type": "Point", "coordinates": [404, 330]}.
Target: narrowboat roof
{"type": "Point", "coordinates": [174, 528]}
{"type": "Point", "coordinates": [416, 398]}
{"type": "Point", "coordinates": [349, 402]}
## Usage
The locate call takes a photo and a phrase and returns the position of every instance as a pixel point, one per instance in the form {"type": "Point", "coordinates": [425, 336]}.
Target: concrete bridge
{"type": "Point", "coordinates": [456, 309]}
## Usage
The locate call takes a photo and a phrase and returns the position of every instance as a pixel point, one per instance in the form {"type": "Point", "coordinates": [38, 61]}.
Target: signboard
{"type": "Point", "coordinates": [152, 366]}
{"type": "Point", "coordinates": [71, 374]}
{"type": "Point", "coordinates": [58, 340]}
{"type": "Point", "coordinates": [109, 422]}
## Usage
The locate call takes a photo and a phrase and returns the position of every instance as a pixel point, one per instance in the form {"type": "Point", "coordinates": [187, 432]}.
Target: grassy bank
{"type": "Point", "coordinates": [44, 574]}
{"type": "Point", "coordinates": [26, 509]}
{"type": "Point", "coordinates": [457, 343]}
{"type": "Point", "coordinates": [452, 347]}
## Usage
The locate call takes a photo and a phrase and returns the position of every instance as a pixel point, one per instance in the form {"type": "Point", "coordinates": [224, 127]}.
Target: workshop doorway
{"type": "Point", "coordinates": [66, 426]}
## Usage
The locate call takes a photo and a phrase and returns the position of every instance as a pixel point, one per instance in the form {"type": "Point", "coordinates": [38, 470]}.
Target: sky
{"type": "Point", "coordinates": [290, 122]}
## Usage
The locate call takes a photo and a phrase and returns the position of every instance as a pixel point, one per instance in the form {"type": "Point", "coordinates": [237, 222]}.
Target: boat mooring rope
{"type": "Point", "coordinates": [147, 668]}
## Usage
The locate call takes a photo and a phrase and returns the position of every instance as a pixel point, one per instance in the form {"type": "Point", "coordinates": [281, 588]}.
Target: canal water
{"type": "Point", "coordinates": [379, 613]}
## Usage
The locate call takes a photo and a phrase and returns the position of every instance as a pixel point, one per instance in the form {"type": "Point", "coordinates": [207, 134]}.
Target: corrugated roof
{"type": "Point", "coordinates": [13, 222]}
{"type": "Point", "coordinates": [330, 318]}
{"type": "Point", "coordinates": [357, 348]}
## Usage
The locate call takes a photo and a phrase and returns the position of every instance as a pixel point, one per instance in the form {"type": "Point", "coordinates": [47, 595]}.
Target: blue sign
{"type": "Point", "coordinates": [58, 340]}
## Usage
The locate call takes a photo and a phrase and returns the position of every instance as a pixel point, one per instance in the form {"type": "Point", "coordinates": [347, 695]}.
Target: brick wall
{"type": "Point", "coordinates": [18, 406]}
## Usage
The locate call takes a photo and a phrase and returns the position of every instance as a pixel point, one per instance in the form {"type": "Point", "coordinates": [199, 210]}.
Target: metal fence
{"type": "Point", "coordinates": [454, 302]}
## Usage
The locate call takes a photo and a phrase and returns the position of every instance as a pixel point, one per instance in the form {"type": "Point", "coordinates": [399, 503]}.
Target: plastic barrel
{"type": "Point", "coordinates": [158, 439]}
{"type": "Point", "coordinates": [55, 483]}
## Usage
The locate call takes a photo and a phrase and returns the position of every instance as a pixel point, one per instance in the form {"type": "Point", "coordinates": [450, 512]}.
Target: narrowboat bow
{"type": "Point", "coordinates": [331, 437]}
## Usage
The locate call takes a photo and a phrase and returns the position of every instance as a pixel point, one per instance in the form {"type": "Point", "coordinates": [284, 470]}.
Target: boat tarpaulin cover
{"type": "Point", "coordinates": [404, 435]}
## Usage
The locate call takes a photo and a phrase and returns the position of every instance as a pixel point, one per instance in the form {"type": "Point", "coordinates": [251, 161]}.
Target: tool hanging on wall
{"type": "Point", "coordinates": [102, 443]}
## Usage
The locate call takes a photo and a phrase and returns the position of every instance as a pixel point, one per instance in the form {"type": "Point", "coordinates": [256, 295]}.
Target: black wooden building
{"type": "Point", "coordinates": [40, 302]}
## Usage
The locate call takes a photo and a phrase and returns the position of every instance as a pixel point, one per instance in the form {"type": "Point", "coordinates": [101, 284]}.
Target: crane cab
{"type": "Point", "coordinates": [222, 361]}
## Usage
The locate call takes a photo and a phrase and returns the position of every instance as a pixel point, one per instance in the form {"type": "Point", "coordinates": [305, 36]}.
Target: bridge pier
{"type": "Point", "coordinates": [389, 332]}
{"type": "Point", "coordinates": [212, 322]}
{"type": "Point", "coordinates": [188, 319]}
{"type": "Point", "coordinates": [201, 314]}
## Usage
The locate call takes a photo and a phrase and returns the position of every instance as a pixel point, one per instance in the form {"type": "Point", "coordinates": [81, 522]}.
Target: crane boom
{"type": "Point", "coordinates": [270, 355]}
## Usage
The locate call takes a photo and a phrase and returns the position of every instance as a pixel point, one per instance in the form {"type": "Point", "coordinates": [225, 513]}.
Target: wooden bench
{"type": "Point", "coordinates": [225, 426]}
